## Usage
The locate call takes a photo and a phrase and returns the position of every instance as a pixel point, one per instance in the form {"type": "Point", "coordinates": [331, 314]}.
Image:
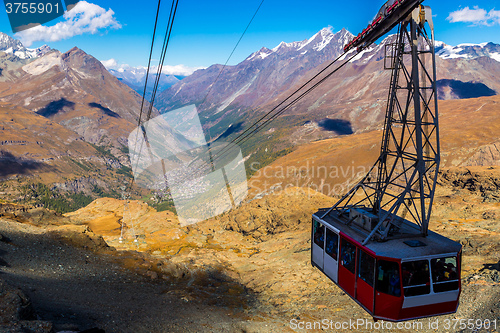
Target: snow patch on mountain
{"type": "Point", "coordinates": [444, 51]}
{"type": "Point", "coordinates": [326, 38]}
{"type": "Point", "coordinates": [263, 53]}
{"type": "Point", "coordinates": [231, 99]}
{"type": "Point", "coordinates": [288, 46]}
{"type": "Point", "coordinates": [495, 56]}
{"type": "Point", "coordinates": [41, 65]}
{"type": "Point", "coordinates": [365, 55]}
{"type": "Point", "coordinates": [469, 44]}
{"type": "Point", "coordinates": [451, 52]}
{"type": "Point", "coordinates": [318, 42]}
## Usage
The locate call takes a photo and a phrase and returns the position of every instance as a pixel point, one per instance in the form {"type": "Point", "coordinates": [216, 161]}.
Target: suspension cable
{"type": "Point", "coordinates": [262, 121]}
{"type": "Point", "coordinates": [232, 52]}
{"type": "Point", "coordinates": [249, 132]}
{"type": "Point", "coordinates": [168, 32]}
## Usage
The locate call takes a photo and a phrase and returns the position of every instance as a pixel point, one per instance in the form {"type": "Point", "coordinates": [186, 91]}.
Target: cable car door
{"type": "Point", "coordinates": [318, 244]}
{"type": "Point", "coordinates": [331, 254]}
{"type": "Point", "coordinates": [365, 279]}
{"type": "Point", "coordinates": [388, 296]}
{"type": "Point", "coordinates": [347, 267]}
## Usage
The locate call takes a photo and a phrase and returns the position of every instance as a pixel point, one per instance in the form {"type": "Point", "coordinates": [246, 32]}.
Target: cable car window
{"type": "Point", "coordinates": [348, 253]}
{"type": "Point", "coordinates": [332, 244]}
{"type": "Point", "coordinates": [366, 267]}
{"type": "Point", "coordinates": [319, 234]}
{"type": "Point", "coordinates": [416, 278]}
{"type": "Point", "coordinates": [388, 281]}
{"type": "Point", "coordinates": [444, 274]}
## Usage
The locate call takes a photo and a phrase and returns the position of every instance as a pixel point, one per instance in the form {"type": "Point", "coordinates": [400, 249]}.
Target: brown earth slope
{"type": "Point", "coordinates": [35, 149]}
{"type": "Point", "coordinates": [264, 245]}
{"type": "Point", "coordinates": [469, 136]}
{"type": "Point", "coordinates": [75, 90]}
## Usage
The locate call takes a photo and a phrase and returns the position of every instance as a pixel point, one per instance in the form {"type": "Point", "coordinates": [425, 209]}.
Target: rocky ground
{"type": "Point", "coordinates": [248, 270]}
{"type": "Point", "coordinates": [68, 279]}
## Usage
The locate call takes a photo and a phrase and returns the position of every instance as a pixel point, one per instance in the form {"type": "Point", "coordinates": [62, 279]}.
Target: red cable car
{"type": "Point", "coordinates": [375, 243]}
{"type": "Point", "coordinates": [400, 279]}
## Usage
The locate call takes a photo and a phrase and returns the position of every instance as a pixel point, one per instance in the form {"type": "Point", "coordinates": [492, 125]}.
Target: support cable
{"type": "Point", "coordinates": [262, 121]}
{"type": "Point", "coordinates": [274, 112]}
{"type": "Point", "coordinates": [232, 52]}
{"type": "Point", "coordinates": [168, 32]}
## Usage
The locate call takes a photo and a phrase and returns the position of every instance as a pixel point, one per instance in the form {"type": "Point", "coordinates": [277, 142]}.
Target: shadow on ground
{"type": "Point", "coordinates": [339, 126]}
{"type": "Point", "coordinates": [77, 289]}
{"type": "Point", "coordinates": [55, 107]}
{"type": "Point", "coordinates": [12, 165]}
{"type": "Point", "coordinates": [104, 109]}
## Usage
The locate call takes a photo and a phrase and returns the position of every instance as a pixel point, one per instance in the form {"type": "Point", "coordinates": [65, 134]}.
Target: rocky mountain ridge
{"type": "Point", "coordinates": [353, 100]}
{"type": "Point", "coordinates": [66, 121]}
{"type": "Point", "coordinates": [75, 90]}
{"type": "Point", "coordinates": [261, 250]}
{"type": "Point", "coordinates": [468, 51]}
{"type": "Point", "coordinates": [135, 78]}
{"type": "Point", "coordinates": [15, 47]}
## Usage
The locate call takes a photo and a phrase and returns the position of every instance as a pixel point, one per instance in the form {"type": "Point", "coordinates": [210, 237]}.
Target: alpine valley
{"type": "Point", "coordinates": [66, 119]}
{"type": "Point", "coordinates": [76, 257]}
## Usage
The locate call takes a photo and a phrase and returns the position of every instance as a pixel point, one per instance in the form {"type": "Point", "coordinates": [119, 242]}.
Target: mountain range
{"type": "Point", "coordinates": [135, 78]}
{"type": "Point", "coordinates": [65, 123]}
{"type": "Point", "coordinates": [230, 98]}
{"type": "Point", "coordinates": [15, 47]}
{"type": "Point", "coordinates": [73, 91]}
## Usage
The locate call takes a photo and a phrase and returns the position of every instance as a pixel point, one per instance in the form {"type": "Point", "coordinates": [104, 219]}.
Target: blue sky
{"type": "Point", "coordinates": [205, 32]}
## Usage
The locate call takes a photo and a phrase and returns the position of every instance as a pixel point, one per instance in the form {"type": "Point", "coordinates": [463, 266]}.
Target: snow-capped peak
{"type": "Point", "coordinates": [15, 47]}
{"type": "Point", "coordinates": [261, 54]}
{"type": "Point", "coordinates": [287, 46]}
{"type": "Point", "coordinates": [470, 44]}
{"type": "Point", "coordinates": [318, 42]}
{"type": "Point", "coordinates": [468, 51]}
{"type": "Point", "coordinates": [320, 39]}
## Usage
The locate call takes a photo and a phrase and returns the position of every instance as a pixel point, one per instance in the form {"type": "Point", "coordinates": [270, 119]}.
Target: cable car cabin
{"type": "Point", "coordinates": [395, 280]}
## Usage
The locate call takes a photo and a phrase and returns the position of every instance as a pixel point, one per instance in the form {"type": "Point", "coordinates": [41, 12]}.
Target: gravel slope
{"type": "Point", "coordinates": [77, 289]}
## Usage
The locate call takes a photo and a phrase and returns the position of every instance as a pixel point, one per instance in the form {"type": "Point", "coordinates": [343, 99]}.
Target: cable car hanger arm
{"type": "Point", "coordinates": [390, 15]}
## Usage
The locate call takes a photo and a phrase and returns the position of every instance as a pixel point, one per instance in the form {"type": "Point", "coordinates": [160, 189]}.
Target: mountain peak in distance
{"type": "Point", "coordinates": [15, 47]}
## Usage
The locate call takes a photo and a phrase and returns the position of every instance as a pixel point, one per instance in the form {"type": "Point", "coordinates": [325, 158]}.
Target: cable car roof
{"type": "Point", "coordinates": [404, 248]}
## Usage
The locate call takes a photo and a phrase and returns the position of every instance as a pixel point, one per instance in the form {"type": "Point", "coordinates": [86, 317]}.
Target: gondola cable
{"type": "Point", "coordinates": [168, 32]}
{"type": "Point", "coordinates": [249, 132]}
{"type": "Point", "coordinates": [232, 52]}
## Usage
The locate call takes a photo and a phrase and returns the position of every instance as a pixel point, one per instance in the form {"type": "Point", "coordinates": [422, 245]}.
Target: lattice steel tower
{"type": "Point", "coordinates": [399, 188]}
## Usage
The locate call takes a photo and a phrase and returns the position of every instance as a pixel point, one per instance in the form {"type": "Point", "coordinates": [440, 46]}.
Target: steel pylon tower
{"type": "Point", "coordinates": [398, 191]}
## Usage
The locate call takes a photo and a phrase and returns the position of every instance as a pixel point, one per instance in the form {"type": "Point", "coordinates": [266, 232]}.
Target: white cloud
{"type": "Point", "coordinates": [179, 70]}
{"type": "Point", "coordinates": [476, 16]}
{"type": "Point", "coordinates": [84, 18]}
{"type": "Point", "coordinates": [111, 63]}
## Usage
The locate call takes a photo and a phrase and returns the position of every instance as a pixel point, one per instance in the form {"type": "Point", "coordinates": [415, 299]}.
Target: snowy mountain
{"type": "Point", "coordinates": [135, 77]}
{"type": "Point", "coordinates": [468, 51]}
{"type": "Point", "coordinates": [75, 90]}
{"type": "Point", "coordinates": [444, 51]}
{"type": "Point", "coordinates": [323, 42]}
{"type": "Point", "coordinates": [258, 79]}
{"type": "Point", "coordinates": [229, 97]}
{"type": "Point", "coordinates": [15, 47]}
